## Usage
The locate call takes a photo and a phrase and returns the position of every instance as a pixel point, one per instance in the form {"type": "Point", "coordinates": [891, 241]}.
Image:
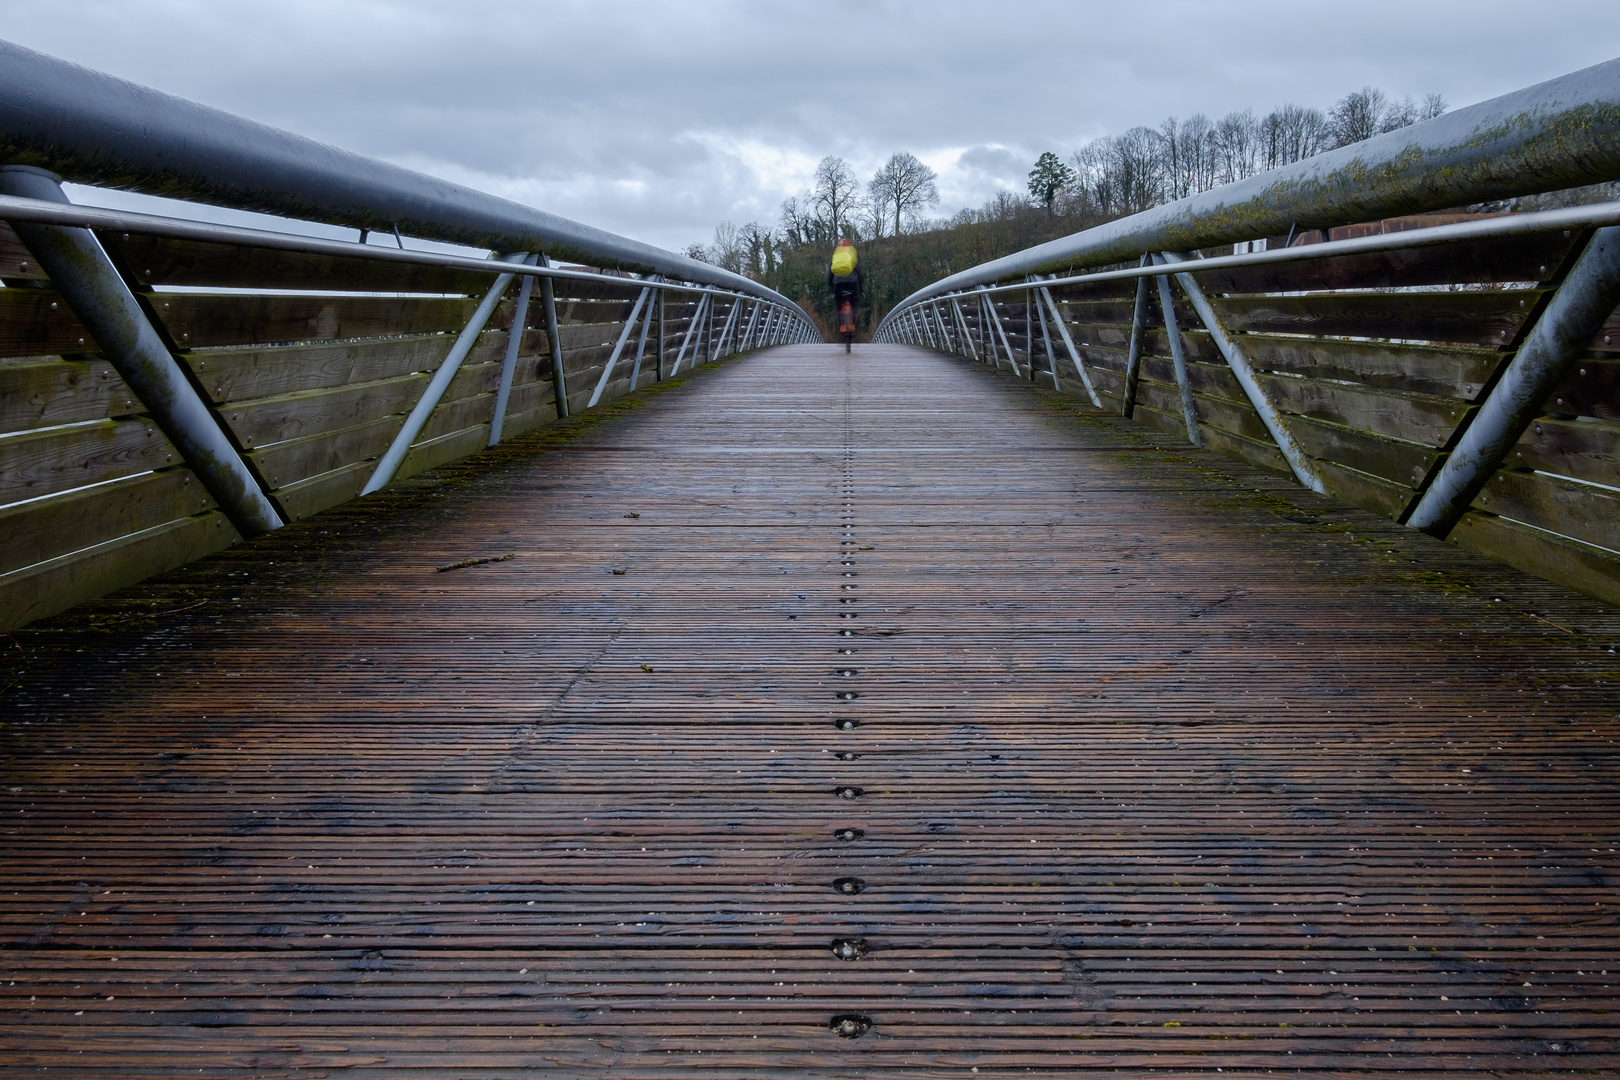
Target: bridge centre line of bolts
{"type": "Point", "coordinates": [847, 1025]}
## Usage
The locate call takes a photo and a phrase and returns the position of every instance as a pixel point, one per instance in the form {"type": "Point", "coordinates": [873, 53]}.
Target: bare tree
{"type": "Point", "coordinates": [877, 204]}
{"type": "Point", "coordinates": [1358, 116]}
{"type": "Point", "coordinates": [835, 193]}
{"type": "Point", "coordinates": [1236, 140]}
{"type": "Point", "coordinates": [1433, 105]}
{"type": "Point", "coordinates": [1292, 133]}
{"type": "Point", "coordinates": [727, 249]}
{"type": "Point", "coordinates": [1187, 151]}
{"type": "Point", "coordinates": [904, 185]}
{"type": "Point", "coordinates": [797, 223]}
{"type": "Point", "coordinates": [757, 252]}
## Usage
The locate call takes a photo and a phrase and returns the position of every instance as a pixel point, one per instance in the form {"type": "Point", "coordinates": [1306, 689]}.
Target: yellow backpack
{"type": "Point", "coordinates": [843, 260]}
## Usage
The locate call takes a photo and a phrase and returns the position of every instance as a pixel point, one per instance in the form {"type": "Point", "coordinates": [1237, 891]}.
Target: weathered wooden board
{"type": "Point", "coordinates": [1410, 417]}
{"type": "Point", "coordinates": [313, 412]}
{"type": "Point", "coordinates": [443, 447]}
{"type": "Point", "coordinates": [198, 320]}
{"type": "Point", "coordinates": [1568, 562]}
{"type": "Point", "coordinates": [16, 264]}
{"type": "Point", "coordinates": [1591, 388]}
{"type": "Point", "coordinates": [1583, 449]}
{"type": "Point", "coordinates": [159, 261]}
{"type": "Point", "coordinates": [1418, 369]}
{"type": "Point", "coordinates": [1487, 318]}
{"type": "Point", "coordinates": [1402, 462]}
{"type": "Point", "coordinates": [1581, 511]}
{"type": "Point", "coordinates": [1364, 490]}
{"type": "Point", "coordinates": [47, 588]}
{"type": "Point", "coordinates": [45, 391]}
{"type": "Point", "coordinates": [45, 529]}
{"type": "Point", "coordinates": [246, 374]}
{"type": "Point", "coordinates": [1505, 259]}
{"type": "Point", "coordinates": [298, 459]}
{"type": "Point", "coordinates": [43, 462]}
{"type": "Point", "coordinates": [35, 322]}
{"type": "Point", "coordinates": [1162, 767]}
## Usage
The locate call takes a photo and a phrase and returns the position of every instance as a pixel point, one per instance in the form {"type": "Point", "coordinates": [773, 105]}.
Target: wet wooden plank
{"type": "Point", "coordinates": [38, 531]}
{"type": "Point", "coordinates": [1486, 318]}
{"type": "Point", "coordinates": [44, 391]}
{"type": "Point", "coordinates": [159, 261]}
{"type": "Point", "coordinates": [1160, 765]}
{"type": "Point", "coordinates": [38, 463]}
{"type": "Point", "coordinates": [1512, 259]}
{"type": "Point", "coordinates": [199, 320]}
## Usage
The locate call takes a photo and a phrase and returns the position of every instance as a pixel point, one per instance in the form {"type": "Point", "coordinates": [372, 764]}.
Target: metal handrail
{"type": "Point", "coordinates": [1558, 134]}
{"type": "Point", "coordinates": [1595, 215]}
{"type": "Point", "coordinates": [14, 208]}
{"type": "Point", "coordinates": [93, 128]}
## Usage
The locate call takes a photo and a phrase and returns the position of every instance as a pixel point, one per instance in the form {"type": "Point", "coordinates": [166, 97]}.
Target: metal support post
{"type": "Point", "coordinates": [86, 279]}
{"type": "Point", "coordinates": [985, 335]}
{"type": "Point", "coordinates": [995, 317]}
{"type": "Point", "coordinates": [1239, 363]}
{"type": "Point", "coordinates": [514, 344]}
{"type": "Point", "coordinates": [1029, 335]}
{"type": "Point", "coordinates": [1189, 409]}
{"type": "Point", "coordinates": [559, 380]}
{"type": "Point", "coordinates": [707, 340]}
{"type": "Point", "coordinates": [748, 331]}
{"type": "Point", "coordinates": [660, 354]}
{"type": "Point", "coordinates": [1046, 342]}
{"type": "Point", "coordinates": [1133, 359]}
{"type": "Point", "coordinates": [641, 343]}
{"type": "Point", "coordinates": [1574, 315]}
{"type": "Point", "coordinates": [732, 309]}
{"type": "Point", "coordinates": [1068, 343]}
{"type": "Point", "coordinates": [690, 337]}
{"type": "Point", "coordinates": [624, 336]}
{"type": "Point", "coordinates": [967, 334]}
{"type": "Point", "coordinates": [418, 418]}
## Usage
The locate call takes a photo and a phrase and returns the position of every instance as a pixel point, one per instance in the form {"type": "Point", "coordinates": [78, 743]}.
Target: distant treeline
{"type": "Point", "coordinates": [1115, 176]}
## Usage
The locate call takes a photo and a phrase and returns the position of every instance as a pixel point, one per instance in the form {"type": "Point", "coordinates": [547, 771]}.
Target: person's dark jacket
{"type": "Point", "coordinates": [852, 283]}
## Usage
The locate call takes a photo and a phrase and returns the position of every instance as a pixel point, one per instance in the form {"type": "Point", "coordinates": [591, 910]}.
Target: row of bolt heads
{"type": "Point", "coordinates": [848, 1025]}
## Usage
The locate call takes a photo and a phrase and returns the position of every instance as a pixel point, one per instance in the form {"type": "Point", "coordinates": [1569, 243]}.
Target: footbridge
{"type": "Point", "coordinates": [1186, 648]}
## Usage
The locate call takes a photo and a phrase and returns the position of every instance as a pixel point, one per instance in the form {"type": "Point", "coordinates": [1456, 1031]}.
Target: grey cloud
{"type": "Point", "coordinates": [658, 120]}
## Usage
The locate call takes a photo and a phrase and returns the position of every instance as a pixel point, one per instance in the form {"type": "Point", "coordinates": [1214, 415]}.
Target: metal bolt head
{"type": "Point", "coordinates": [848, 836]}
{"type": "Point", "coordinates": [849, 948]}
{"type": "Point", "coordinates": [848, 723]}
{"type": "Point", "coordinates": [849, 886]}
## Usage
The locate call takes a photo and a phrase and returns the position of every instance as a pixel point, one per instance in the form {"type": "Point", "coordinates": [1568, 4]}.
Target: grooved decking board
{"type": "Point", "coordinates": [1162, 766]}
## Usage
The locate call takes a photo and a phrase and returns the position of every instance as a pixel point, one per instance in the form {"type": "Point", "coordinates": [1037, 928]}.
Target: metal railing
{"type": "Point", "coordinates": [168, 386]}
{"type": "Point", "coordinates": [1402, 371]}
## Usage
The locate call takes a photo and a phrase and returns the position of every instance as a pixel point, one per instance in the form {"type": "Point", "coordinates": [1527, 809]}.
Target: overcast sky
{"type": "Point", "coordinates": [658, 120]}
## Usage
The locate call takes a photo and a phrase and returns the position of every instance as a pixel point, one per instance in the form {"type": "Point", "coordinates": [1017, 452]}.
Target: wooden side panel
{"type": "Point", "coordinates": [38, 463]}
{"type": "Point", "coordinates": [47, 588]}
{"type": "Point", "coordinates": [313, 385]}
{"type": "Point", "coordinates": [159, 261]}
{"type": "Point", "coordinates": [1485, 318]}
{"type": "Point", "coordinates": [37, 531]}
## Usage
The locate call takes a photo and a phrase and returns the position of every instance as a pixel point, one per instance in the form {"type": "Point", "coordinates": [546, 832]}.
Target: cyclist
{"type": "Point", "coordinates": [844, 278]}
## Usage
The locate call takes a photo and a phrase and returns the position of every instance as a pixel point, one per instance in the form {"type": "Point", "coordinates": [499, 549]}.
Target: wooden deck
{"type": "Point", "coordinates": [1089, 750]}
